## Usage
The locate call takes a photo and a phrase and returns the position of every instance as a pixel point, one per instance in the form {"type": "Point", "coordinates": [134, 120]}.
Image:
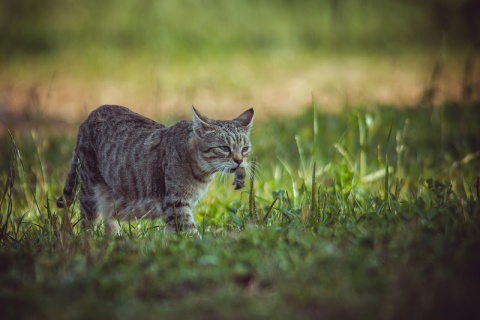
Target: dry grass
{"type": "Point", "coordinates": [224, 88]}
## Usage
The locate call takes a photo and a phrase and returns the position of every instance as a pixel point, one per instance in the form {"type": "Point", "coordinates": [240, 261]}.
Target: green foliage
{"type": "Point", "coordinates": [171, 29]}
{"type": "Point", "coordinates": [367, 214]}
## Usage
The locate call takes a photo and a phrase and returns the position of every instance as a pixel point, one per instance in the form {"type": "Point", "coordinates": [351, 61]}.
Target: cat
{"type": "Point", "coordinates": [131, 167]}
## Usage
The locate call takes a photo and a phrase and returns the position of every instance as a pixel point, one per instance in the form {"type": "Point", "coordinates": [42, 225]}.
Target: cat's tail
{"type": "Point", "coordinates": [70, 184]}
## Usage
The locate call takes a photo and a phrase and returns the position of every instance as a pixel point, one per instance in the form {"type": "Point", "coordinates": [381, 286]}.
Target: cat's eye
{"type": "Point", "coordinates": [245, 149]}
{"type": "Point", "coordinates": [225, 148]}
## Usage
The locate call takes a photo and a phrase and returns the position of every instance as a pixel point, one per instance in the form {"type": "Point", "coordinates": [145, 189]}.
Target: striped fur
{"type": "Point", "coordinates": [131, 167]}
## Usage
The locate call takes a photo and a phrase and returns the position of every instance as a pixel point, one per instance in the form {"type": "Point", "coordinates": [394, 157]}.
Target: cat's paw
{"type": "Point", "coordinates": [189, 230]}
{"type": "Point", "coordinates": [194, 233]}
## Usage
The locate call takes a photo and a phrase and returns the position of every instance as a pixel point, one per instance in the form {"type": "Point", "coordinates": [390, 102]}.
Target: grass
{"type": "Point", "coordinates": [204, 28]}
{"type": "Point", "coordinates": [365, 214]}
{"type": "Point", "coordinates": [159, 55]}
{"type": "Point", "coordinates": [369, 213]}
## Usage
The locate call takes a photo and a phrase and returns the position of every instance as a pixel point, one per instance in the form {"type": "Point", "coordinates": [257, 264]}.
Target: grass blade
{"type": "Point", "coordinates": [17, 151]}
{"type": "Point", "coordinates": [314, 192]}
{"type": "Point", "coordinates": [251, 196]}
{"type": "Point", "coordinates": [269, 210]}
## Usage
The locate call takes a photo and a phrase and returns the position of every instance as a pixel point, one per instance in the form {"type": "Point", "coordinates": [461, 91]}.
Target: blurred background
{"type": "Point", "coordinates": [59, 59]}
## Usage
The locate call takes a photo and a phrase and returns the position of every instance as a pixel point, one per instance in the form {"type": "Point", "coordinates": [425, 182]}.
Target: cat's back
{"type": "Point", "coordinates": [114, 121]}
{"type": "Point", "coordinates": [111, 125]}
{"type": "Point", "coordinates": [117, 118]}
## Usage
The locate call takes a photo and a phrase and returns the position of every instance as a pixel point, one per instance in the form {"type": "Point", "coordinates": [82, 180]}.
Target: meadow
{"type": "Point", "coordinates": [368, 214]}
{"type": "Point", "coordinates": [363, 202]}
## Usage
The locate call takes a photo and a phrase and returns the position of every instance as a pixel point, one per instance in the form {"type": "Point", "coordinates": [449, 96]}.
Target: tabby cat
{"type": "Point", "coordinates": [131, 167]}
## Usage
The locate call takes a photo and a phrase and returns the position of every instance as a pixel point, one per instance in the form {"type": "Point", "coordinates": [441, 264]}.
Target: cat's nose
{"type": "Point", "coordinates": [238, 161]}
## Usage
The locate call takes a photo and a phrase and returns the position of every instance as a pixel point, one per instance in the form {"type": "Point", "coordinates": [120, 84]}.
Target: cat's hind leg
{"type": "Point", "coordinates": [91, 179]}
{"type": "Point", "coordinates": [88, 209]}
{"type": "Point", "coordinates": [108, 208]}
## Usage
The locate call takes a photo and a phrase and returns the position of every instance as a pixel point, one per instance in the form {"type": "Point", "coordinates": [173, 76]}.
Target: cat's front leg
{"type": "Point", "coordinates": [179, 217]}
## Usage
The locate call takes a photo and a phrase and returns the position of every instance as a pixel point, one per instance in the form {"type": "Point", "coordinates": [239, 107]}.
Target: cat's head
{"type": "Point", "coordinates": [223, 145]}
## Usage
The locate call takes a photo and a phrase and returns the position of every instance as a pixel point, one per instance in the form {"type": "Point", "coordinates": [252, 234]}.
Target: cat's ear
{"type": "Point", "coordinates": [201, 124]}
{"type": "Point", "coordinates": [245, 119]}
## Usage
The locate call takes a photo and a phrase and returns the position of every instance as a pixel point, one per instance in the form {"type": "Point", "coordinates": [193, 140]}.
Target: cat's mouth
{"type": "Point", "coordinates": [233, 170]}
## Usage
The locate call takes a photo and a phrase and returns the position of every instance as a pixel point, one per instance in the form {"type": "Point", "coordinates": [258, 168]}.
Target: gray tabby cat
{"type": "Point", "coordinates": [131, 167]}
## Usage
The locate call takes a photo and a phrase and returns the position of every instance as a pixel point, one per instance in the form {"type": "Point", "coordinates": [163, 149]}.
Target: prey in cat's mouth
{"type": "Point", "coordinates": [239, 181]}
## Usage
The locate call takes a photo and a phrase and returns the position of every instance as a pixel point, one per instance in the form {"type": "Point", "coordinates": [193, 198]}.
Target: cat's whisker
{"type": "Point", "coordinates": [223, 169]}
{"type": "Point", "coordinates": [223, 178]}
{"type": "Point", "coordinates": [259, 174]}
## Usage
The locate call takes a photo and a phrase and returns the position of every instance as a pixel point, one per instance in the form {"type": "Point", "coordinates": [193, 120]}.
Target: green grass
{"type": "Point", "coordinates": [193, 28]}
{"type": "Point", "coordinates": [366, 214]}
{"type": "Point", "coordinates": [92, 36]}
